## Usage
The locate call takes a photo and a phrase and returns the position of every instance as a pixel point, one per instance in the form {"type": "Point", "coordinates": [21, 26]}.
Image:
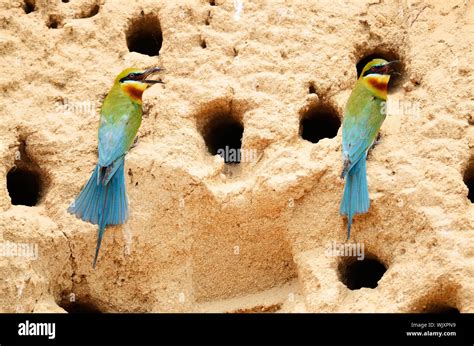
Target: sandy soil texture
{"type": "Point", "coordinates": [205, 235]}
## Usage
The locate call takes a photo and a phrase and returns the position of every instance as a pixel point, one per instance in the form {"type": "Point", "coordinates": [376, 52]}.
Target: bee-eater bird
{"type": "Point", "coordinates": [364, 114]}
{"type": "Point", "coordinates": [103, 200]}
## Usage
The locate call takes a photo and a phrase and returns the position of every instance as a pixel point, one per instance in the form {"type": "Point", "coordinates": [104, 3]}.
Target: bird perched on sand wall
{"type": "Point", "coordinates": [363, 116]}
{"type": "Point", "coordinates": [103, 200]}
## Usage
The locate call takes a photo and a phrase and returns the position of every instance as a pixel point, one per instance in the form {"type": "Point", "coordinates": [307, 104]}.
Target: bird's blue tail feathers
{"type": "Point", "coordinates": [102, 202]}
{"type": "Point", "coordinates": [356, 193]}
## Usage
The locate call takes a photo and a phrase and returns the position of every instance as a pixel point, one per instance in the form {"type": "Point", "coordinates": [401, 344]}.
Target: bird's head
{"type": "Point", "coordinates": [134, 81]}
{"type": "Point", "coordinates": [376, 75]}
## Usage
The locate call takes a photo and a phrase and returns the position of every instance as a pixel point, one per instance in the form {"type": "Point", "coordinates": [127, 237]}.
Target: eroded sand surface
{"type": "Point", "coordinates": [208, 236]}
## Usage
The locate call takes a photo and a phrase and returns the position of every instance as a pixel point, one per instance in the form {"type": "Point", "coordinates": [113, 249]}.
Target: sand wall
{"type": "Point", "coordinates": [205, 235]}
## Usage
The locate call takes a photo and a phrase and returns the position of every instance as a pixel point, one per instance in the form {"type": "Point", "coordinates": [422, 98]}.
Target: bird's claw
{"type": "Point", "coordinates": [134, 144]}
{"type": "Point", "coordinates": [378, 139]}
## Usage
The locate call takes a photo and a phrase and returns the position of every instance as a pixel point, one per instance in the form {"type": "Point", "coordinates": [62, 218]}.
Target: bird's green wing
{"type": "Point", "coordinates": [362, 120]}
{"type": "Point", "coordinates": [117, 131]}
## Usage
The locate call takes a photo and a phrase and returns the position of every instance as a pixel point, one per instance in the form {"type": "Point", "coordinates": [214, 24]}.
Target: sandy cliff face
{"type": "Point", "coordinates": [204, 235]}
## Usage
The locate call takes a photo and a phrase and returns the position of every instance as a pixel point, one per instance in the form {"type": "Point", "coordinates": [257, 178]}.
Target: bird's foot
{"type": "Point", "coordinates": [378, 139]}
{"type": "Point", "coordinates": [134, 144]}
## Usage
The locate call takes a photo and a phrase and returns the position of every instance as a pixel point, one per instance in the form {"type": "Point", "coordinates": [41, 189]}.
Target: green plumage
{"type": "Point", "coordinates": [103, 201]}
{"type": "Point", "coordinates": [120, 119]}
{"type": "Point", "coordinates": [363, 117]}
{"type": "Point", "coordinates": [362, 121]}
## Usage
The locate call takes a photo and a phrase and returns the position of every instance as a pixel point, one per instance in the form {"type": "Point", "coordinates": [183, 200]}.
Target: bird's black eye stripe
{"type": "Point", "coordinates": [373, 69]}
{"type": "Point", "coordinates": [130, 76]}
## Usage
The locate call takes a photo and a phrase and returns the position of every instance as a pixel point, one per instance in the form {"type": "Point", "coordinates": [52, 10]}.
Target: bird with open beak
{"type": "Point", "coordinates": [103, 200]}
{"type": "Point", "coordinates": [363, 116]}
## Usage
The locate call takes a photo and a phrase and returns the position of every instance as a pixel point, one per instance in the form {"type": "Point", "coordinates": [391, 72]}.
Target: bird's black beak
{"type": "Point", "coordinates": [392, 67]}
{"type": "Point", "coordinates": [149, 72]}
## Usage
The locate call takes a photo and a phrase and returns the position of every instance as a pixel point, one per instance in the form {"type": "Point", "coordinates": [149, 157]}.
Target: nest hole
{"type": "Point", "coordinates": [144, 35]}
{"type": "Point", "coordinates": [78, 306]}
{"type": "Point", "coordinates": [94, 10]}
{"type": "Point", "coordinates": [388, 55]}
{"type": "Point", "coordinates": [25, 182]}
{"type": "Point", "coordinates": [91, 11]}
{"type": "Point", "coordinates": [203, 44]}
{"type": "Point", "coordinates": [29, 6]}
{"type": "Point", "coordinates": [318, 122]}
{"type": "Point", "coordinates": [54, 22]}
{"type": "Point", "coordinates": [222, 134]}
{"type": "Point", "coordinates": [469, 180]}
{"type": "Point", "coordinates": [24, 186]}
{"type": "Point", "coordinates": [356, 274]}
{"type": "Point", "coordinates": [441, 309]}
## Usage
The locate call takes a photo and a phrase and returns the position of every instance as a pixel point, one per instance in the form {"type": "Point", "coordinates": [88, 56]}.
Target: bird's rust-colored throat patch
{"type": "Point", "coordinates": [378, 85]}
{"type": "Point", "coordinates": [134, 91]}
